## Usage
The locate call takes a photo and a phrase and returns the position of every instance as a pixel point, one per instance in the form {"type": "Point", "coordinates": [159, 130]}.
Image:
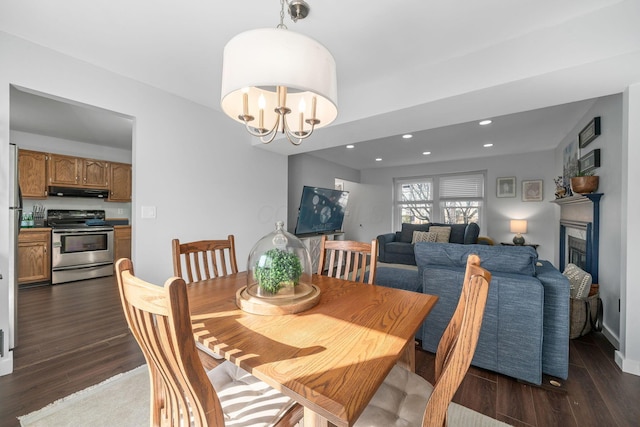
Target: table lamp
{"type": "Point", "coordinates": [518, 226]}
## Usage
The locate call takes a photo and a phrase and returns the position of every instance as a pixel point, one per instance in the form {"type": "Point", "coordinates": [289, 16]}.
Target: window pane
{"type": "Point", "coordinates": [417, 191]}
{"type": "Point", "coordinates": [460, 212]}
{"type": "Point", "coordinates": [416, 213]}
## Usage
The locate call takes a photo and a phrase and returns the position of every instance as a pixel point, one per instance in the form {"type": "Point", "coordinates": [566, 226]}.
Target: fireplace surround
{"type": "Point", "coordinates": [580, 232]}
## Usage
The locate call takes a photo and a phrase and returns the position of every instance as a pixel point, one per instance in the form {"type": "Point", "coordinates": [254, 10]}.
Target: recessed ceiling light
{"type": "Point", "coordinates": [485, 122]}
{"type": "Point", "coordinates": [488, 145]}
{"type": "Point", "coordinates": [379, 159]}
{"type": "Point", "coordinates": [426, 153]}
{"type": "Point", "coordinates": [407, 136]}
{"type": "Point", "coordinates": [350, 146]}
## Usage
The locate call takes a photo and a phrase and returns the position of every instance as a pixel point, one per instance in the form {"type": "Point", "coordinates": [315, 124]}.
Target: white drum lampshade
{"type": "Point", "coordinates": [256, 62]}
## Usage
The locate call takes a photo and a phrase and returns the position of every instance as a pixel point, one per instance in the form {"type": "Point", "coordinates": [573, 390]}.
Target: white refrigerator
{"type": "Point", "coordinates": [15, 218]}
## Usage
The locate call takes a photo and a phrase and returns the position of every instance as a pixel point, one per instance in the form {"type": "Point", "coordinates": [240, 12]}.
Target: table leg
{"type": "Point", "coordinates": [408, 357]}
{"type": "Point", "coordinates": [312, 419]}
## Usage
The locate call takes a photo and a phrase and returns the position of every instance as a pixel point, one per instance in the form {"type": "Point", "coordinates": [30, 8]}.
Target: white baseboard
{"type": "Point", "coordinates": [627, 365]}
{"type": "Point", "coordinates": [610, 337]}
{"type": "Point", "coordinates": [6, 364]}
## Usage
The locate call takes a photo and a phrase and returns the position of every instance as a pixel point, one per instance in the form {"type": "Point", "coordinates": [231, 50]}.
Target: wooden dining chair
{"type": "Point", "coordinates": [419, 403]}
{"type": "Point", "coordinates": [348, 260]}
{"type": "Point", "coordinates": [201, 260]}
{"type": "Point", "coordinates": [182, 392]}
{"type": "Point", "coordinates": [204, 259]}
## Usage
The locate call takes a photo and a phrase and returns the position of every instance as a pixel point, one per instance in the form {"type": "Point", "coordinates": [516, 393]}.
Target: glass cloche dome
{"type": "Point", "coordinates": [279, 266]}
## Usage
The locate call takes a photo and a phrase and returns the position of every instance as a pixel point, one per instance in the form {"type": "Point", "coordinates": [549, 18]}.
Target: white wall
{"type": "Point", "coordinates": [609, 109]}
{"type": "Point", "coordinates": [193, 164]}
{"type": "Point", "coordinates": [498, 212]}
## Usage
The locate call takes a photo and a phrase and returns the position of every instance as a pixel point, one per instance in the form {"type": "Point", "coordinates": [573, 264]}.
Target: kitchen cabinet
{"type": "Point", "coordinates": [121, 242]}
{"type": "Point", "coordinates": [119, 182]}
{"type": "Point", "coordinates": [95, 173]}
{"type": "Point", "coordinates": [32, 167]}
{"type": "Point", "coordinates": [69, 171]}
{"type": "Point", "coordinates": [63, 171]}
{"type": "Point", "coordinates": [34, 255]}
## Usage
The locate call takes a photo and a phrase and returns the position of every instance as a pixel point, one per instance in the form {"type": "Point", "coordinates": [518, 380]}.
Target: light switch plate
{"type": "Point", "coordinates": [148, 212]}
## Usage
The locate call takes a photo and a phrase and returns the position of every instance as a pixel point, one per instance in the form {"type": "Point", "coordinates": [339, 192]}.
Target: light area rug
{"type": "Point", "coordinates": [122, 400]}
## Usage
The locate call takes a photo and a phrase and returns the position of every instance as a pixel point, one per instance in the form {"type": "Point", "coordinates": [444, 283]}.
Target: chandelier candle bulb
{"type": "Point", "coordinates": [313, 108]}
{"type": "Point", "coordinates": [282, 102]}
{"type": "Point", "coordinates": [245, 104]}
{"type": "Point", "coordinates": [261, 105]}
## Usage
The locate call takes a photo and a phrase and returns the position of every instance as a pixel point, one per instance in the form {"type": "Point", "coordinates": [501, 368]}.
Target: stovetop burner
{"type": "Point", "coordinates": [75, 218]}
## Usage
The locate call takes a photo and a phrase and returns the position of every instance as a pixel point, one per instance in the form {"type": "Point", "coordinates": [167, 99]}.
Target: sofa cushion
{"type": "Point", "coordinates": [406, 235]}
{"type": "Point", "coordinates": [504, 259]}
{"type": "Point", "coordinates": [443, 233]}
{"type": "Point", "coordinates": [424, 236]}
{"type": "Point", "coordinates": [399, 248]}
{"type": "Point", "coordinates": [398, 277]}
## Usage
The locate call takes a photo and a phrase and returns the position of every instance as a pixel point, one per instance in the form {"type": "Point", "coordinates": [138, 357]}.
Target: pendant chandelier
{"type": "Point", "coordinates": [274, 80]}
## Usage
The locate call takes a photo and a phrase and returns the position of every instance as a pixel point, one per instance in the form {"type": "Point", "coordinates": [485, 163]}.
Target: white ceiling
{"type": "Point", "coordinates": [430, 68]}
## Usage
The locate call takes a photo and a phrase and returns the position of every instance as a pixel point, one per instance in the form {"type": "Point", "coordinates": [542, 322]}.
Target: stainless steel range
{"type": "Point", "coordinates": [81, 245]}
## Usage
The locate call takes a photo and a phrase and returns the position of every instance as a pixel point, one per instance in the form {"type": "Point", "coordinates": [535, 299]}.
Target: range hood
{"type": "Point", "coordinates": [78, 192]}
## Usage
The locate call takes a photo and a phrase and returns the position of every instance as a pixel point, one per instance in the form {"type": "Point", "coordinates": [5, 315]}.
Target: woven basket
{"type": "Point", "coordinates": [580, 319]}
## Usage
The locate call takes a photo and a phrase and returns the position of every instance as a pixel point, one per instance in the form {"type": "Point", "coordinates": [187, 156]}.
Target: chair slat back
{"type": "Point", "coordinates": [204, 259]}
{"type": "Point", "coordinates": [348, 260]}
{"type": "Point", "coordinates": [458, 343]}
{"type": "Point", "coordinates": [159, 318]}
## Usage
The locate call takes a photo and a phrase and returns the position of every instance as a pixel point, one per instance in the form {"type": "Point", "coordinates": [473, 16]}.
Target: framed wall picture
{"type": "Point", "coordinates": [570, 161]}
{"type": "Point", "coordinates": [589, 133]}
{"type": "Point", "coordinates": [506, 187]}
{"type": "Point", "coordinates": [532, 191]}
{"type": "Point", "coordinates": [590, 161]}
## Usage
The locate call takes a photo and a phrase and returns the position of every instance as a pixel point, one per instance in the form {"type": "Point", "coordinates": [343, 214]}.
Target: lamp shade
{"type": "Point", "coordinates": [256, 62]}
{"type": "Point", "coordinates": [518, 226]}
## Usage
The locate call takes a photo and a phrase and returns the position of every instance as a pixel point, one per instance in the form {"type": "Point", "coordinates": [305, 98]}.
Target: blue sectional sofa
{"type": "Point", "coordinates": [525, 329]}
{"type": "Point", "coordinates": [397, 247]}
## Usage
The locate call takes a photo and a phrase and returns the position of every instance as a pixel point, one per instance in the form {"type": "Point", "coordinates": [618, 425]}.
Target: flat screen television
{"type": "Point", "coordinates": [321, 210]}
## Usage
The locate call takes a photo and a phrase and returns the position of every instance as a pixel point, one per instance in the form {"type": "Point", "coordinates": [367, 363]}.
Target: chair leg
{"type": "Point", "coordinates": [293, 416]}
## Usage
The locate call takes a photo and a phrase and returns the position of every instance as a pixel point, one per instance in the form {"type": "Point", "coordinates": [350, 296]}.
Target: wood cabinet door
{"type": "Point", "coordinates": [122, 242]}
{"type": "Point", "coordinates": [95, 173]}
{"type": "Point", "coordinates": [120, 183]}
{"type": "Point", "coordinates": [34, 259]}
{"type": "Point", "coordinates": [64, 170]}
{"type": "Point", "coordinates": [32, 169]}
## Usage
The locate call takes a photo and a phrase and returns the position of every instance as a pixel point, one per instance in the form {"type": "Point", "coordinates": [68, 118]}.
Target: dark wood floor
{"type": "Point", "coordinates": [74, 335]}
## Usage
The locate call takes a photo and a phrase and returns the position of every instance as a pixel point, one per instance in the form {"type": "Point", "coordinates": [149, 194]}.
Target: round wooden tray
{"type": "Point", "coordinates": [271, 306]}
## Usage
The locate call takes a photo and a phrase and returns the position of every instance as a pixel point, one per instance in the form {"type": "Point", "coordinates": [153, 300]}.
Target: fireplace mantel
{"type": "Point", "coordinates": [580, 198]}
{"type": "Point", "coordinates": [581, 212]}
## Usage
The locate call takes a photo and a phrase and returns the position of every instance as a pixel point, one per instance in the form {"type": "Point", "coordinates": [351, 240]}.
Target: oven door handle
{"type": "Point", "coordinates": [82, 231]}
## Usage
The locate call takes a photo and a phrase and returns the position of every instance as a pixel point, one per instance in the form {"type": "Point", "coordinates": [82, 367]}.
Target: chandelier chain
{"type": "Point", "coordinates": [281, 25]}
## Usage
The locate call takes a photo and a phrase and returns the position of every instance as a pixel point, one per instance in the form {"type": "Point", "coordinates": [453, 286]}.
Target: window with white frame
{"type": "Point", "coordinates": [448, 199]}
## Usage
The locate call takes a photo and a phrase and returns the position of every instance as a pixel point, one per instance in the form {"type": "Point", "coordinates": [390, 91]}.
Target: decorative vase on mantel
{"type": "Point", "coordinates": [585, 184]}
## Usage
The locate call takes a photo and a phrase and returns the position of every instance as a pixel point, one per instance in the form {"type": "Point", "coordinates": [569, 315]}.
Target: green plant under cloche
{"type": "Point", "coordinates": [277, 268]}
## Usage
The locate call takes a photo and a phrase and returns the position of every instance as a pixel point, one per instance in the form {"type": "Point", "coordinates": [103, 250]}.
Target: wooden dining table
{"type": "Point", "coordinates": [330, 358]}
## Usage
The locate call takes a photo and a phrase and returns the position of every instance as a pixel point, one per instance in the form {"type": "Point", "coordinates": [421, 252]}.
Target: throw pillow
{"type": "Point", "coordinates": [424, 236]}
{"type": "Point", "coordinates": [579, 281]}
{"type": "Point", "coordinates": [443, 233]}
